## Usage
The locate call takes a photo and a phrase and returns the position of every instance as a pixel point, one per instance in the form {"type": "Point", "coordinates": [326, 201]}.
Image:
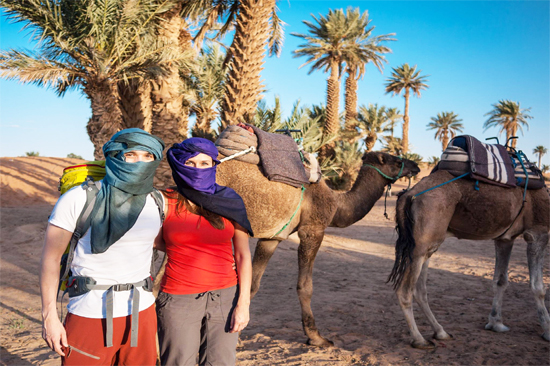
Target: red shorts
{"type": "Point", "coordinates": [86, 339]}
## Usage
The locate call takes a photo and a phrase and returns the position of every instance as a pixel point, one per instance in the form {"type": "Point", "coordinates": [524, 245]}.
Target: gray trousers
{"type": "Point", "coordinates": [197, 323]}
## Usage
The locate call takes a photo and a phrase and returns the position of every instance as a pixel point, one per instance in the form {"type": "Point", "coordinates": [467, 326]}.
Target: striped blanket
{"type": "Point", "coordinates": [487, 162]}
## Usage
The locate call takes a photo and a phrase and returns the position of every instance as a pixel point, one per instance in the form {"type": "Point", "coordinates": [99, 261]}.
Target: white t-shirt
{"type": "Point", "coordinates": [126, 261]}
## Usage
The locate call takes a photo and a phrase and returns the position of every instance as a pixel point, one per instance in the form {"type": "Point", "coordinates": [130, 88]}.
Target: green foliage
{"type": "Point", "coordinates": [445, 123]}
{"type": "Point", "coordinates": [83, 43]}
{"type": "Point", "coordinates": [540, 150]}
{"type": "Point", "coordinates": [507, 115]}
{"type": "Point", "coordinates": [545, 168]}
{"type": "Point", "coordinates": [406, 77]}
{"type": "Point", "coordinates": [74, 156]}
{"type": "Point", "coordinates": [342, 37]}
{"type": "Point", "coordinates": [413, 157]}
{"type": "Point", "coordinates": [433, 160]}
{"type": "Point", "coordinates": [306, 120]}
{"type": "Point", "coordinates": [392, 145]}
{"type": "Point", "coordinates": [342, 170]}
{"type": "Point", "coordinates": [32, 153]}
{"type": "Point", "coordinates": [16, 324]}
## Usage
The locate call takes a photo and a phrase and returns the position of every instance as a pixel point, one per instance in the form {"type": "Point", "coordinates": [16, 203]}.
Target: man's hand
{"type": "Point", "coordinates": [54, 334]}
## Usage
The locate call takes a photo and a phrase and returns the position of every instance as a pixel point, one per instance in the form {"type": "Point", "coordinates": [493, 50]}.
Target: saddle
{"type": "Point", "coordinates": [489, 163]}
{"type": "Point", "coordinates": [280, 157]}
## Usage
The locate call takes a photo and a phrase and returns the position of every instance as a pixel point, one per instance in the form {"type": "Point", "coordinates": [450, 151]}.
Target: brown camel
{"type": "Point", "coordinates": [276, 210]}
{"type": "Point", "coordinates": [457, 209]}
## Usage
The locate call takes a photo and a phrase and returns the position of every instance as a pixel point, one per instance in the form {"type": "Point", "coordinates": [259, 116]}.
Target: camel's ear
{"type": "Point", "coordinates": [381, 158]}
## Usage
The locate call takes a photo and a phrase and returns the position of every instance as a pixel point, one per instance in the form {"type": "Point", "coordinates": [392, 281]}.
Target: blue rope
{"type": "Point", "coordinates": [520, 154]}
{"type": "Point", "coordinates": [439, 185]}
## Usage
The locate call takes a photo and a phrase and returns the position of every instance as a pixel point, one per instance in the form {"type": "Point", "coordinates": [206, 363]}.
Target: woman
{"type": "Point", "coordinates": [203, 303]}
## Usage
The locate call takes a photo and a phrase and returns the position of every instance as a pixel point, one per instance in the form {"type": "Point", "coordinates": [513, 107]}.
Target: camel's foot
{"type": "Point", "coordinates": [423, 344]}
{"type": "Point", "coordinates": [546, 336]}
{"type": "Point", "coordinates": [442, 336]}
{"type": "Point", "coordinates": [320, 342]}
{"type": "Point", "coordinates": [497, 327]}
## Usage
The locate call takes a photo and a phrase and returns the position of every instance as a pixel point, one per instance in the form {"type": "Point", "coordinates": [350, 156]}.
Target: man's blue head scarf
{"type": "Point", "coordinates": [125, 186]}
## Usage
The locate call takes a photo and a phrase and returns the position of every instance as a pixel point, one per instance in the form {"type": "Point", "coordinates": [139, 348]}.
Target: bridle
{"type": "Point", "coordinates": [392, 180]}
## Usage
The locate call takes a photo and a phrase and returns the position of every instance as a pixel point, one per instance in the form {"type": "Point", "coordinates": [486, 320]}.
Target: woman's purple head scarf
{"type": "Point", "coordinates": [199, 185]}
{"type": "Point", "coordinates": [203, 180]}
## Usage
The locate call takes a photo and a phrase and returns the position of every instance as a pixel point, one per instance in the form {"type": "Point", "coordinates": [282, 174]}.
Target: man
{"type": "Point", "coordinates": [111, 317]}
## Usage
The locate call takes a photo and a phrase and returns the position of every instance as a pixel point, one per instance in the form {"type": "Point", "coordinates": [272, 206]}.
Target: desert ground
{"type": "Point", "coordinates": [353, 305]}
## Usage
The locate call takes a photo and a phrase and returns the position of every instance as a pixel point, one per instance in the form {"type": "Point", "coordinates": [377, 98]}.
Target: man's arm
{"type": "Point", "coordinates": [55, 243]}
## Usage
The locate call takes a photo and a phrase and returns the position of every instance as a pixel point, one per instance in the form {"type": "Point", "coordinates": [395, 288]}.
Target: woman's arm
{"type": "Point", "coordinates": [55, 243]}
{"type": "Point", "coordinates": [241, 314]}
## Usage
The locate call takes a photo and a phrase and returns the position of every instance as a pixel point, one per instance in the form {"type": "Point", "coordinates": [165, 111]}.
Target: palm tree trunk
{"type": "Point", "coordinates": [136, 104]}
{"type": "Point", "coordinates": [332, 124]}
{"type": "Point", "coordinates": [243, 87]}
{"type": "Point", "coordinates": [370, 141]}
{"type": "Point", "coordinates": [540, 158]}
{"type": "Point", "coordinates": [405, 140]}
{"type": "Point", "coordinates": [351, 100]}
{"type": "Point", "coordinates": [106, 117]}
{"type": "Point", "coordinates": [169, 116]}
{"type": "Point", "coordinates": [445, 140]}
{"type": "Point", "coordinates": [514, 133]}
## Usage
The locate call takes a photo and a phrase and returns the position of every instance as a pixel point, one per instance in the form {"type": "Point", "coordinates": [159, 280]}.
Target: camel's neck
{"type": "Point", "coordinates": [356, 203]}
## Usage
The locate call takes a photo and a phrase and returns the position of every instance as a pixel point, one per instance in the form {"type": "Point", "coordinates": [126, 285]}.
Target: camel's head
{"type": "Point", "coordinates": [392, 166]}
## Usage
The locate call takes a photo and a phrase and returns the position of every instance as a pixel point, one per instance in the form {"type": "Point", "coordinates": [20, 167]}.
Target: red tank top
{"type": "Point", "coordinates": [200, 257]}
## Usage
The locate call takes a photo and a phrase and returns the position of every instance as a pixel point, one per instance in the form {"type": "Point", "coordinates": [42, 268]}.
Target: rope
{"type": "Point", "coordinates": [384, 175]}
{"type": "Point", "coordinates": [292, 217]}
{"type": "Point", "coordinates": [439, 185]}
{"type": "Point", "coordinates": [250, 149]}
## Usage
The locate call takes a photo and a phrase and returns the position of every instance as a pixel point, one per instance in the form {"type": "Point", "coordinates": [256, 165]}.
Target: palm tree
{"type": "Point", "coordinates": [540, 151]}
{"type": "Point", "coordinates": [90, 45]}
{"type": "Point", "coordinates": [170, 116]}
{"type": "Point", "coordinates": [257, 26]}
{"type": "Point", "coordinates": [326, 45]}
{"type": "Point", "coordinates": [446, 125]}
{"type": "Point", "coordinates": [362, 49]}
{"type": "Point", "coordinates": [509, 116]}
{"type": "Point", "coordinates": [205, 86]}
{"type": "Point", "coordinates": [393, 115]}
{"type": "Point", "coordinates": [406, 78]}
{"type": "Point", "coordinates": [545, 168]}
{"type": "Point", "coordinates": [372, 121]}
{"type": "Point", "coordinates": [393, 145]}
{"type": "Point", "coordinates": [433, 160]}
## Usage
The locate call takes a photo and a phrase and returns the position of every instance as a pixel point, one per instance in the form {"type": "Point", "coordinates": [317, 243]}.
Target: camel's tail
{"type": "Point", "coordinates": [405, 244]}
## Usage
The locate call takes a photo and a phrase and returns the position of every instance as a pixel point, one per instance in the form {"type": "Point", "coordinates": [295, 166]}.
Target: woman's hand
{"type": "Point", "coordinates": [240, 318]}
{"type": "Point", "coordinates": [54, 334]}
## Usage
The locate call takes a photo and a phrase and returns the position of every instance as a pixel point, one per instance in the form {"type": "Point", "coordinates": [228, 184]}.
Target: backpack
{"type": "Point", "coordinates": [86, 175]}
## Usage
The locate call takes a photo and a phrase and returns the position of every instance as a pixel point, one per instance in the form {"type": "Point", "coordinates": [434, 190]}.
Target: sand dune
{"type": "Point", "coordinates": [353, 305]}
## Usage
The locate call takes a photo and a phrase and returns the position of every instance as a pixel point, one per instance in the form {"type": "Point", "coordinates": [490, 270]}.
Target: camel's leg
{"type": "Point", "coordinates": [503, 250]}
{"type": "Point", "coordinates": [421, 297]}
{"type": "Point", "coordinates": [262, 254]}
{"type": "Point", "coordinates": [310, 241]}
{"type": "Point", "coordinates": [405, 293]}
{"type": "Point", "coordinates": [536, 244]}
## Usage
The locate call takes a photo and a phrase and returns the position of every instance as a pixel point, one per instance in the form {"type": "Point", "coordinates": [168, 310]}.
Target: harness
{"type": "Point", "coordinates": [393, 180]}
{"type": "Point", "coordinates": [80, 285]}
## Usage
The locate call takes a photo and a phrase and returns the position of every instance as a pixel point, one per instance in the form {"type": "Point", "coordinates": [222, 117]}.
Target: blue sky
{"type": "Point", "coordinates": [475, 53]}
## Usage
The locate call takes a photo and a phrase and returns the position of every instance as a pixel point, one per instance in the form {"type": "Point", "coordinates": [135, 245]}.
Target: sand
{"type": "Point", "coordinates": [353, 305]}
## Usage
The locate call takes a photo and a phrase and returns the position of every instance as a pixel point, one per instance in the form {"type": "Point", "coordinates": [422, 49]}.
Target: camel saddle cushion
{"type": "Point", "coordinates": [488, 163]}
{"type": "Point", "coordinates": [527, 173]}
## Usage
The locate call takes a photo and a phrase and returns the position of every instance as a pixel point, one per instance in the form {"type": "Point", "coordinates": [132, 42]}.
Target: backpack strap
{"type": "Point", "coordinates": [157, 196]}
{"type": "Point", "coordinates": [82, 225]}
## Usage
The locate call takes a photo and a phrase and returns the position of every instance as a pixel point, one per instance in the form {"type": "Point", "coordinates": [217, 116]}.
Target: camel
{"type": "Point", "coordinates": [458, 210]}
{"type": "Point", "coordinates": [276, 210]}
